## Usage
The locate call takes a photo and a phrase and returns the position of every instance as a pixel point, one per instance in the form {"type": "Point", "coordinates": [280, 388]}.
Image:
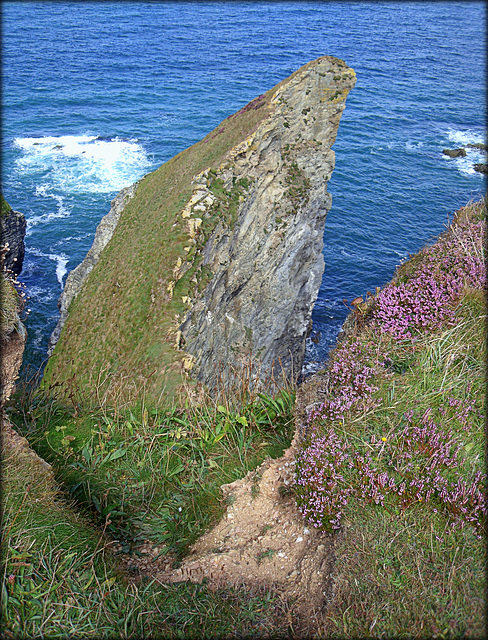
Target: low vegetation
{"type": "Point", "coordinates": [393, 458]}
{"type": "Point", "coordinates": [128, 479]}
{"type": "Point", "coordinates": [392, 469]}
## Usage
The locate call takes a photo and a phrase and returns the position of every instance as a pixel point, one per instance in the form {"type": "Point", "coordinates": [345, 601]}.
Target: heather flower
{"type": "Point", "coordinates": [422, 462]}
{"type": "Point", "coordinates": [320, 484]}
{"type": "Point", "coordinates": [429, 297]}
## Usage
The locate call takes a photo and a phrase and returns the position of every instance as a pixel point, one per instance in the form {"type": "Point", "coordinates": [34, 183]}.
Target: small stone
{"type": "Point", "coordinates": [299, 539]}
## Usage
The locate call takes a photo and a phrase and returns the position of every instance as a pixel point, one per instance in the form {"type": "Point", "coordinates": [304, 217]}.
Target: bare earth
{"type": "Point", "coordinates": [262, 541]}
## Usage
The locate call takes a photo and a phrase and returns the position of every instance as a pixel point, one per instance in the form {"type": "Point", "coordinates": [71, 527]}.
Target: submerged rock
{"type": "Point", "coordinates": [478, 145]}
{"type": "Point", "coordinates": [454, 153]}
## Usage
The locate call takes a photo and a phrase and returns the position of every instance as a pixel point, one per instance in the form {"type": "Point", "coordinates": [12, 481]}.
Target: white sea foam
{"type": "Point", "coordinates": [461, 138]}
{"type": "Point", "coordinates": [41, 294]}
{"type": "Point", "coordinates": [60, 259]}
{"type": "Point", "coordinates": [83, 164]}
{"type": "Point", "coordinates": [464, 137]}
{"type": "Point", "coordinates": [62, 211]}
{"type": "Point", "coordinates": [413, 146]}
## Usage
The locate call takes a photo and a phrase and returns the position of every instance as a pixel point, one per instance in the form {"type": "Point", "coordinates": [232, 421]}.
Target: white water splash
{"type": "Point", "coordinates": [462, 138]}
{"type": "Point", "coordinates": [60, 259]}
{"type": "Point", "coordinates": [82, 164]}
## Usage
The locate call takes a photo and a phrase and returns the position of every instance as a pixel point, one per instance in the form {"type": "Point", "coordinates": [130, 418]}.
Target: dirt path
{"type": "Point", "coordinates": [262, 541]}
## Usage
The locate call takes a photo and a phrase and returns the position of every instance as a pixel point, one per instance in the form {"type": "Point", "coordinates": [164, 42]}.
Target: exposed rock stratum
{"type": "Point", "coordinates": [215, 262]}
{"type": "Point", "coordinates": [12, 232]}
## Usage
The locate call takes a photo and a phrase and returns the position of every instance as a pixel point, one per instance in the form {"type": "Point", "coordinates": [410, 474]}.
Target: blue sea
{"type": "Point", "coordinates": [97, 94]}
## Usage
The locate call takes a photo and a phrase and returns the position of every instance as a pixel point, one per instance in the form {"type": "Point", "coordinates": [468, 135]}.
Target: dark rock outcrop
{"type": "Point", "coordinates": [481, 167]}
{"type": "Point", "coordinates": [454, 153]}
{"type": "Point", "coordinates": [478, 145]}
{"type": "Point", "coordinates": [12, 233]}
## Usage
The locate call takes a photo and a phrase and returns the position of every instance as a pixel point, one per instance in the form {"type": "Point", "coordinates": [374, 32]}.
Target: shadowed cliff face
{"type": "Point", "coordinates": [215, 259]}
{"type": "Point", "coordinates": [268, 263]}
{"type": "Point", "coordinates": [12, 232]}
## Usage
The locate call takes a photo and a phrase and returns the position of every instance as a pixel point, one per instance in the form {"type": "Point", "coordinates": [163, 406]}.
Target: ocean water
{"type": "Point", "coordinates": [95, 95]}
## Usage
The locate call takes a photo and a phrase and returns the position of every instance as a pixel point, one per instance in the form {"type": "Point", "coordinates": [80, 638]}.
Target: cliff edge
{"type": "Point", "coordinates": [216, 260]}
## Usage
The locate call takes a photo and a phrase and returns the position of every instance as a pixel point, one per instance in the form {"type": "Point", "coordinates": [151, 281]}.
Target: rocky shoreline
{"type": "Point", "coordinates": [460, 152]}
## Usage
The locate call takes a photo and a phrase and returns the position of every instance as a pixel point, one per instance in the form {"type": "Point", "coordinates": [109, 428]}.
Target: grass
{"type": "Point", "coordinates": [392, 467]}
{"type": "Point", "coordinates": [10, 305]}
{"type": "Point", "coordinates": [128, 479]}
{"type": "Point", "coordinates": [59, 579]}
{"type": "Point", "coordinates": [152, 475]}
{"type": "Point", "coordinates": [393, 456]}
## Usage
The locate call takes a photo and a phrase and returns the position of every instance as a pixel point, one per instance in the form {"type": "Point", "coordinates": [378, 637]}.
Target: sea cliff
{"type": "Point", "coordinates": [12, 231]}
{"type": "Point", "coordinates": [215, 262]}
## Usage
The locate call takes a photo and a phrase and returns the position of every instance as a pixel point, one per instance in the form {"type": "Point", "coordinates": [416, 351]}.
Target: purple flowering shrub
{"type": "Point", "coordinates": [429, 297]}
{"type": "Point", "coordinates": [422, 461]}
{"type": "Point", "coordinates": [419, 464]}
{"type": "Point", "coordinates": [321, 487]}
{"type": "Point", "coordinates": [353, 365]}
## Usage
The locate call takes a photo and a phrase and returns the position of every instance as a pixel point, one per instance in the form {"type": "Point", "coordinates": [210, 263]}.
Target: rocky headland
{"type": "Point", "coordinates": [212, 266]}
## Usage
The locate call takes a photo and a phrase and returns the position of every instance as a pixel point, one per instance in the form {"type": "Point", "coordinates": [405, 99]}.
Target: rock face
{"type": "Point", "coordinates": [212, 266]}
{"type": "Point", "coordinates": [77, 277]}
{"type": "Point", "coordinates": [12, 232]}
{"type": "Point", "coordinates": [268, 265]}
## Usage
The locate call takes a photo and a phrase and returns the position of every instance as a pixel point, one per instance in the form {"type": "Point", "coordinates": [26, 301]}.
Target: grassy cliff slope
{"type": "Point", "coordinates": [391, 469]}
{"type": "Point", "coordinates": [394, 449]}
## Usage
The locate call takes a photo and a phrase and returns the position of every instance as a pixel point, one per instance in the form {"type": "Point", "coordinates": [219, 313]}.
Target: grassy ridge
{"type": "Point", "coordinates": [124, 319]}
